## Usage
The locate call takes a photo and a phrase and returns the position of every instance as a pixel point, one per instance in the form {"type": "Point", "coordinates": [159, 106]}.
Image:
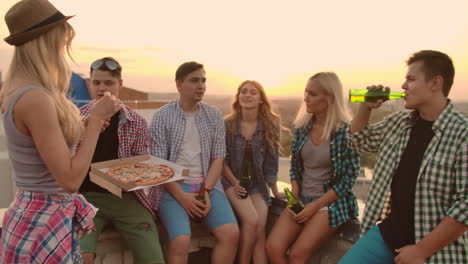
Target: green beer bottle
{"type": "Point", "coordinates": [371, 96]}
{"type": "Point", "coordinates": [294, 205]}
{"type": "Point", "coordinates": [245, 182]}
{"type": "Point", "coordinates": [247, 169]}
{"type": "Point", "coordinates": [200, 197]}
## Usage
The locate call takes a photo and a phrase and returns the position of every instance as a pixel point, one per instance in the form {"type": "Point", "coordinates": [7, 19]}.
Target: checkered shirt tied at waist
{"type": "Point", "coordinates": [40, 228]}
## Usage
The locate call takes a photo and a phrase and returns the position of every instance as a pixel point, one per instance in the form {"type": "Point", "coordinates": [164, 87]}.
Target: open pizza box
{"type": "Point", "coordinates": [98, 173]}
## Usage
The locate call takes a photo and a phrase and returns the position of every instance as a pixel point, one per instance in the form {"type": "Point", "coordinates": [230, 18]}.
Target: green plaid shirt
{"type": "Point", "coordinates": [345, 164]}
{"type": "Point", "coordinates": [441, 188]}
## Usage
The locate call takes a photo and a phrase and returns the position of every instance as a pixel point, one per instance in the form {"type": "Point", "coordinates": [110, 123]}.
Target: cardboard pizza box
{"type": "Point", "coordinates": [98, 173]}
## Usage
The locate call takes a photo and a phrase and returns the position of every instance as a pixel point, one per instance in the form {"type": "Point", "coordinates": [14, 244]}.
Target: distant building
{"type": "Point", "coordinates": [78, 91]}
{"type": "Point", "coordinates": [132, 94]}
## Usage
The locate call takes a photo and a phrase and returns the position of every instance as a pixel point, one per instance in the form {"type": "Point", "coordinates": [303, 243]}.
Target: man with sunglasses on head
{"type": "Point", "coordinates": [126, 135]}
{"type": "Point", "coordinates": [192, 134]}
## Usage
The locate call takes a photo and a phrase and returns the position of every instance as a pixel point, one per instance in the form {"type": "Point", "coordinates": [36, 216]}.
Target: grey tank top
{"type": "Point", "coordinates": [31, 174]}
{"type": "Point", "coordinates": [318, 168]}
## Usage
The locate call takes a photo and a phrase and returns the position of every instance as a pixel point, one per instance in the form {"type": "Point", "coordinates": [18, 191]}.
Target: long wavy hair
{"type": "Point", "coordinates": [271, 120]}
{"type": "Point", "coordinates": [338, 111]}
{"type": "Point", "coordinates": [42, 63]}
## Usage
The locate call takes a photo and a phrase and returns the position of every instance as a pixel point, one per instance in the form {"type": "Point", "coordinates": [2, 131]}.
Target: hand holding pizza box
{"type": "Point", "coordinates": [130, 174]}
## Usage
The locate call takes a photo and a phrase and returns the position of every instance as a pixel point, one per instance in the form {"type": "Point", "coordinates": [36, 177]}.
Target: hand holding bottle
{"type": "Point", "coordinates": [295, 206]}
{"type": "Point", "coordinates": [244, 184]}
{"type": "Point", "coordinates": [379, 102]}
{"type": "Point", "coordinates": [192, 206]}
{"type": "Point", "coordinates": [203, 197]}
{"type": "Point", "coordinates": [309, 210]}
{"type": "Point", "coordinates": [372, 98]}
{"type": "Point", "coordinates": [240, 191]}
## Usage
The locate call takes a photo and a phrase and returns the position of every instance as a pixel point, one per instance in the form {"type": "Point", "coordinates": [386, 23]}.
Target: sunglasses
{"type": "Point", "coordinates": [111, 65]}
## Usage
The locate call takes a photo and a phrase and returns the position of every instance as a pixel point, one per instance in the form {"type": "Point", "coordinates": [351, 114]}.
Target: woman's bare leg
{"type": "Point", "coordinates": [316, 231]}
{"type": "Point", "coordinates": [281, 237]}
{"type": "Point", "coordinates": [259, 255]}
{"type": "Point", "coordinates": [247, 213]}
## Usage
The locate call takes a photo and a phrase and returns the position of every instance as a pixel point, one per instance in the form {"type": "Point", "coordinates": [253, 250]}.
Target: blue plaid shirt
{"type": "Point", "coordinates": [167, 131]}
{"type": "Point", "coordinates": [345, 171]}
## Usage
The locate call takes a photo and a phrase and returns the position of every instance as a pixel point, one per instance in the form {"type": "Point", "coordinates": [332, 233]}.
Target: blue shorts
{"type": "Point", "coordinates": [371, 248]}
{"type": "Point", "coordinates": [177, 222]}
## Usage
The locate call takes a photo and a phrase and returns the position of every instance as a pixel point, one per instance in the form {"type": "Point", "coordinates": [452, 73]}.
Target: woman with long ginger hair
{"type": "Point", "coordinates": [323, 171]}
{"type": "Point", "coordinates": [42, 128]}
{"type": "Point", "coordinates": [252, 140]}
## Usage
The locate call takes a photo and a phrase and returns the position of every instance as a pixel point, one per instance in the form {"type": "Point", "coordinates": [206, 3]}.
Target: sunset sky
{"type": "Point", "coordinates": [278, 43]}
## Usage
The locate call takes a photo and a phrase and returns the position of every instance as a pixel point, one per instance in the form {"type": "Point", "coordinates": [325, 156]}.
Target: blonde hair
{"type": "Point", "coordinates": [41, 61]}
{"type": "Point", "coordinates": [337, 111]}
{"type": "Point", "coordinates": [271, 120]}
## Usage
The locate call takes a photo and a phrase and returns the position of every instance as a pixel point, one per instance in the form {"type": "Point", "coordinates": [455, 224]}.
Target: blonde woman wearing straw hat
{"type": "Point", "coordinates": [42, 127]}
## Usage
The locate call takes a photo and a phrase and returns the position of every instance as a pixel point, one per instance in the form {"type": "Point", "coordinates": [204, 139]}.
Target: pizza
{"type": "Point", "coordinates": [141, 173]}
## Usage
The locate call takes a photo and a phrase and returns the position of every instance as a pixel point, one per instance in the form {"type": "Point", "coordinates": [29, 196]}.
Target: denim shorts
{"type": "Point", "coordinates": [253, 188]}
{"type": "Point", "coordinates": [307, 199]}
{"type": "Point", "coordinates": [177, 222]}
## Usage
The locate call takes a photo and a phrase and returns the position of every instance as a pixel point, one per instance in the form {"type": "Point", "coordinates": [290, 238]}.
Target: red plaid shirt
{"type": "Point", "coordinates": [133, 139]}
{"type": "Point", "coordinates": [39, 228]}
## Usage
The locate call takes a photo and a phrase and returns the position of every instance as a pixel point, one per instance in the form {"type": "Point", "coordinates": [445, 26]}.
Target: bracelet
{"type": "Point", "coordinates": [208, 190]}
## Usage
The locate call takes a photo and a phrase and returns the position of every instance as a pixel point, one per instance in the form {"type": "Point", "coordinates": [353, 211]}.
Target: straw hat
{"type": "Point", "coordinates": [28, 19]}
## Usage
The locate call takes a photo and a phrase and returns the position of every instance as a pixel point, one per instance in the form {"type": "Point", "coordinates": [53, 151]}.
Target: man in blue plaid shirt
{"type": "Point", "coordinates": [416, 211]}
{"type": "Point", "coordinates": [192, 134]}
